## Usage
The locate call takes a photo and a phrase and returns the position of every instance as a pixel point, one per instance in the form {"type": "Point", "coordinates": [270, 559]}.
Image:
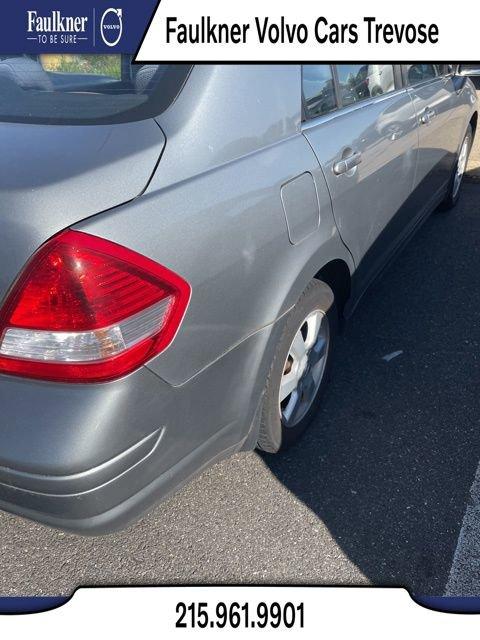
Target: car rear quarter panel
{"type": "Point", "coordinates": [54, 176]}
{"type": "Point", "coordinates": [213, 211]}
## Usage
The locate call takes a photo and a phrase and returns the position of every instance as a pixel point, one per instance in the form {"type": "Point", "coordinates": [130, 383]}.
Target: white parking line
{"type": "Point", "coordinates": [464, 577]}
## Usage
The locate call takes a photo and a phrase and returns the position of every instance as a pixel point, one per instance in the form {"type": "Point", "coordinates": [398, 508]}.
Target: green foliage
{"type": "Point", "coordinates": [107, 65]}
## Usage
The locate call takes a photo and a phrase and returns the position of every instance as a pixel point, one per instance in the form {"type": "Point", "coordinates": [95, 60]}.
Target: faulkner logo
{"type": "Point", "coordinates": [56, 28]}
{"type": "Point", "coordinates": [111, 26]}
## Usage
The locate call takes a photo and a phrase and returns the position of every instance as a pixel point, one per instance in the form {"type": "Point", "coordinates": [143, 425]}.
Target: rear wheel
{"type": "Point", "coordinates": [299, 370]}
{"type": "Point", "coordinates": [454, 189]}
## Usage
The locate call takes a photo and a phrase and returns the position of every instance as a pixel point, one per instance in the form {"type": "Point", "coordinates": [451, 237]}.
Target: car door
{"type": "Point", "coordinates": [440, 128]}
{"type": "Point", "coordinates": [361, 125]}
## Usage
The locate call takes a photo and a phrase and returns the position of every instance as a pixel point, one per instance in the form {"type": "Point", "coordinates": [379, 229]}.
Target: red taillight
{"type": "Point", "coordinates": [87, 310]}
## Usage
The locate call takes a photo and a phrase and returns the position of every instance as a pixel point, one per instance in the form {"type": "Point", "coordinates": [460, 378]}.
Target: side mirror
{"type": "Point", "coordinates": [468, 69]}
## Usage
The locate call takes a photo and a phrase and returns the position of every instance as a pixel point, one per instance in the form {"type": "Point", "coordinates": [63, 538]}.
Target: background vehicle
{"type": "Point", "coordinates": [179, 245]}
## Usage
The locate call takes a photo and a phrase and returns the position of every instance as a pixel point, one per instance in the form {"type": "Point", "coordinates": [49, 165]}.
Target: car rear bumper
{"type": "Point", "coordinates": [111, 506]}
{"type": "Point", "coordinates": [92, 458]}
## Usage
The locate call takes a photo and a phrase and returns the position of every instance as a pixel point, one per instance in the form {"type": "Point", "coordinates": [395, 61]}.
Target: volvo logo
{"type": "Point", "coordinates": [111, 26]}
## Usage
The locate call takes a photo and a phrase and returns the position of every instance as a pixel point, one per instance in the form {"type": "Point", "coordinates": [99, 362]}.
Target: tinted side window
{"type": "Point", "coordinates": [421, 72]}
{"type": "Point", "coordinates": [361, 81]}
{"type": "Point", "coordinates": [318, 89]}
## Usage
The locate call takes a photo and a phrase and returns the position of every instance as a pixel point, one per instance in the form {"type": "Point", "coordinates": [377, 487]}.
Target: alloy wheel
{"type": "Point", "coordinates": [461, 166]}
{"type": "Point", "coordinates": [304, 368]}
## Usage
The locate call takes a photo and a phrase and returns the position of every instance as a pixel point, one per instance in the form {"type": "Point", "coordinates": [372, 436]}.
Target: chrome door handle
{"type": "Point", "coordinates": [427, 115]}
{"type": "Point", "coordinates": [347, 164]}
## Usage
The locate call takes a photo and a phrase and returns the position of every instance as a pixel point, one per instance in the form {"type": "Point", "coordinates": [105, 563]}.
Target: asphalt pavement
{"type": "Point", "coordinates": [380, 491]}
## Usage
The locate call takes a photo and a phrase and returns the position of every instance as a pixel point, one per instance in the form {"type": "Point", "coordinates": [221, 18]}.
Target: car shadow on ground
{"type": "Point", "coordinates": [389, 461]}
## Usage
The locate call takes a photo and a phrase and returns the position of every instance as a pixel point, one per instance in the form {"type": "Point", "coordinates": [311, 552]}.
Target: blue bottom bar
{"type": "Point", "coordinates": [449, 604]}
{"type": "Point", "coordinates": [30, 605]}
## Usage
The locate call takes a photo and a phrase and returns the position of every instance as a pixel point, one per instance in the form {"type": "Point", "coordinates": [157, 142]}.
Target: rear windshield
{"type": "Point", "coordinates": [85, 89]}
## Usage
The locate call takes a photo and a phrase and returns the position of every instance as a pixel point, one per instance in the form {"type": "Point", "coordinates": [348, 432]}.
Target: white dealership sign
{"type": "Point", "coordinates": [278, 31]}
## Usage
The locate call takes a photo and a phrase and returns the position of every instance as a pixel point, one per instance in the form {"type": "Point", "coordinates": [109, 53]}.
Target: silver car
{"type": "Point", "coordinates": [179, 248]}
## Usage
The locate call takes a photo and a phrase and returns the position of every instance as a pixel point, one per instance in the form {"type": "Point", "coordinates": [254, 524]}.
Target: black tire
{"type": "Point", "coordinates": [452, 197]}
{"type": "Point", "coordinates": [274, 435]}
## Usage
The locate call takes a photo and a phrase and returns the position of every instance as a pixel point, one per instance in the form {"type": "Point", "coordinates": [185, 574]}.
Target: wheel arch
{"type": "Point", "coordinates": [337, 275]}
{"type": "Point", "coordinates": [473, 122]}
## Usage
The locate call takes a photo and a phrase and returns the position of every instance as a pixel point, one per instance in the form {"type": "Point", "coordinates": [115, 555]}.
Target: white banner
{"type": "Point", "coordinates": [326, 612]}
{"type": "Point", "coordinates": [280, 31]}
